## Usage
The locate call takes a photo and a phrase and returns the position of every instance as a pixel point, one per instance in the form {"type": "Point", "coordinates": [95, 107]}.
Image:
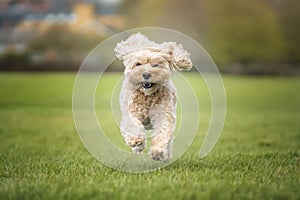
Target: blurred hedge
{"type": "Point", "coordinates": [57, 48]}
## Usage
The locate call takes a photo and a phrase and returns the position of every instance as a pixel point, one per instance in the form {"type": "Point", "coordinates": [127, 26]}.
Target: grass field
{"type": "Point", "coordinates": [257, 156]}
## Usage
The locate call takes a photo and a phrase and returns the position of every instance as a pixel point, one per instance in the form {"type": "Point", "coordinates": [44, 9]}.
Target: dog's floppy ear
{"type": "Point", "coordinates": [177, 56]}
{"type": "Point", "coordinates": [133, 43]}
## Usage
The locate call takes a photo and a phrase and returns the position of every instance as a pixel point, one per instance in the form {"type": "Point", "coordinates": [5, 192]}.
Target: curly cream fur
{"type": "Point", "coordinates": [148, 96]}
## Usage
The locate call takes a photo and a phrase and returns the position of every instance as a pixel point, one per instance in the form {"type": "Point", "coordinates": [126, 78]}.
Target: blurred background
{"type": "Point", "coordinates": [243, 37]}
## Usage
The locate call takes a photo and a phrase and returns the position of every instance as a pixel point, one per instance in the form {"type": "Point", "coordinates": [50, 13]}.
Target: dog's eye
{"type": "Point", "coordinates": [137, 64]}
{"type": "Point", "coordinates": [155, 65]}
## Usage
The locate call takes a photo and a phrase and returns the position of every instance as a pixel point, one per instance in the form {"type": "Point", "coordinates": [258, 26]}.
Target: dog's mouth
{"type": "Point", "coordinates": [147, 85]}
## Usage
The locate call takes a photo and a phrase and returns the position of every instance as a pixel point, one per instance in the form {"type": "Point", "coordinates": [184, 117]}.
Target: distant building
{"type": "Point", "coordinates": [82, 18]}
{"type": "Point", "coordinates": [21, 22]}
{"type": "Point", "coordinates": [12, 12]}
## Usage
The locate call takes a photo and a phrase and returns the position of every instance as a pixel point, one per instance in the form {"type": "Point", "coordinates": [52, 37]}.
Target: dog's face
{"type": "Point", "coordinates": [149, 65]}
{"type": "Point", "coordinates": [147, 71]}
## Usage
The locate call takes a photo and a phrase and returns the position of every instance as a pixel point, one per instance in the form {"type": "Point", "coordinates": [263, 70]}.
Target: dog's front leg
{"type": "Point", "coordinates": [133, 133]}
{"type": "Point", "coordinates": [164, 120]}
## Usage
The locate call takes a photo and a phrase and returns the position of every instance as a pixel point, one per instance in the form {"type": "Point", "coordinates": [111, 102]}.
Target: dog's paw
{"type": "Point", "coordinates": [134, 141]}
{"type": "Point", "coordinates": [160, 154]}
{"type": "Point", "coordinates": [137, 144]}
{"type": "Point", "coordinates": [138, 149]}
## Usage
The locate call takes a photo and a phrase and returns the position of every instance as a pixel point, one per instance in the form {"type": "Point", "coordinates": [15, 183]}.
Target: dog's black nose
{"type": "Point", "coordinates": [146, 75]}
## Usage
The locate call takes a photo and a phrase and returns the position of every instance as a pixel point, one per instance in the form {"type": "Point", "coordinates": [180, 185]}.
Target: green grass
{"type": "Point", "coordinates": [257, 156]}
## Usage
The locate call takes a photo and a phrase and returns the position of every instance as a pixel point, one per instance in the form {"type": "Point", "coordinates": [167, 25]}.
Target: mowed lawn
{"type": "Point", "coordinates": [256, 157]}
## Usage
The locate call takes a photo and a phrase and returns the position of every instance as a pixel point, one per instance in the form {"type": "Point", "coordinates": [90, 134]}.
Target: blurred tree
{"type": "Point", "coordinates": [182, 15]}
{"type": "Point", "coordinates": [243, 32]}
{"type": "Point", "coordinates": [60, 44]}
{"type": "Point", "coordinates": [232, 31]}
{"type": "Point", "coordinates": [62, 39]}
{"type": "Point", "coordinates": [289, 18]}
